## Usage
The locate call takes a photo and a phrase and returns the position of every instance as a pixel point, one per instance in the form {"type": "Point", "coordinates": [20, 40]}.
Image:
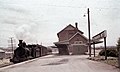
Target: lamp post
{"type": "Point", "coordinates": [89, 40]}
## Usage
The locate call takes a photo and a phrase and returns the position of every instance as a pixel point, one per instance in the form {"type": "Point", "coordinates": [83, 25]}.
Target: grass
{"type": "Point", "coordinates": [4, 62]}
{"type": "Point", "coordinates": [111, 60]}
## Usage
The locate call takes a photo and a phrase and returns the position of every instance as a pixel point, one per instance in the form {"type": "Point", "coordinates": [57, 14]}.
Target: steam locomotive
{"type": "Point", "coordinates": [25, 52]}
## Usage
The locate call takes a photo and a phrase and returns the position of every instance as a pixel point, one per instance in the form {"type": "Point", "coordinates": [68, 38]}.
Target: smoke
{"type": "Point", "coordinates": [24, 32]}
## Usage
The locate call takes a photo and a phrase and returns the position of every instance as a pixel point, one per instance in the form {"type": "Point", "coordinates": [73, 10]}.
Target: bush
{"type": "Point", "coordinates": [118, 44]}
{"type": "Point", "coordinates": [110, 52]}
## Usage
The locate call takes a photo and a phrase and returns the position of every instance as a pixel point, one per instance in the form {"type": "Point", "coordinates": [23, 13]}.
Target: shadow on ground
{"type": "Point", "coordinates": [63, 61]}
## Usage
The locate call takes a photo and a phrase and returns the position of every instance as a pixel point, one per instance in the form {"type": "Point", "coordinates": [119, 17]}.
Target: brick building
{"type": "Point", "coordinates": [71, 41]}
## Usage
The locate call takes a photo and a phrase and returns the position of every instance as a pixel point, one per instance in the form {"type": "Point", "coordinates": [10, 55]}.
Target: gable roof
{"type": "Point", "coordinates": [70, 26]}
{"type": "Point", "coordinates": [2, 50]}
{"type": "Point", "coordinates": [79, 34]}
{"type": "Point", "coordinates": [67, 41]}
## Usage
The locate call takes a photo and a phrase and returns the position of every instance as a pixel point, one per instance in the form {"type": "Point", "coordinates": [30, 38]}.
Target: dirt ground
{"type": "Point", "coordinates": [65, 63]}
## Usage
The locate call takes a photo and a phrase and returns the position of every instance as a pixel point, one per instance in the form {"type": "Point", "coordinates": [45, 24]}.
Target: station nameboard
{"type": "Point", "coordinates": [99, 36]}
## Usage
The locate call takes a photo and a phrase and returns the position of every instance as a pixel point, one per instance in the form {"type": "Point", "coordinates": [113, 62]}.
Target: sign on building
{"type": "Point", "coordinates": [99, 36]}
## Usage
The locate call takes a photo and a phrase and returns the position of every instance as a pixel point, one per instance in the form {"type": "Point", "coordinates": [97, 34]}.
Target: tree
{"type": "Point", "coordinates": [118, 49]}
{"type": "Point", "coordinates": [118, 45]}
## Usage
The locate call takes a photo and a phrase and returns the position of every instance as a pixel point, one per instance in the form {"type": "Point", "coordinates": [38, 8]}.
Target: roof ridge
{"type": "Point", "coordinates": [71, 26]}
{"type": "Point", "coordinates": [75, 35]}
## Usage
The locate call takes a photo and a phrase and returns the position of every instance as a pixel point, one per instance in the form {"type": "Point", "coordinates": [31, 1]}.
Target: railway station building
{"type": "Point", "coordinates": [71, 41]}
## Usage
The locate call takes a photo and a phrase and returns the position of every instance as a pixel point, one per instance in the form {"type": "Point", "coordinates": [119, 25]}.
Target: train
{"type": "Point", "coordinates": [25, 52]}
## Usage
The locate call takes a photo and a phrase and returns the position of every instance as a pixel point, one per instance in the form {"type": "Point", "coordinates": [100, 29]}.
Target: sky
{"type": "Point", "coordinates": [39, 21]}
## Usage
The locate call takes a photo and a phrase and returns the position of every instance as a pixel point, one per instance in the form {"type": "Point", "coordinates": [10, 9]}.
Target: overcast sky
{"type": "Point", "coordinates": [39, 21]}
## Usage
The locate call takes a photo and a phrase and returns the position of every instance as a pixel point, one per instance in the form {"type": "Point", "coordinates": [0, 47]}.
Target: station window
{"type": "Point", "coordinates": [78, 42]}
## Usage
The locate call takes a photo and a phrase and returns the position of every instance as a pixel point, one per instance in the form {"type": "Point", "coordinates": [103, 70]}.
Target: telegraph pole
{"type": "Point", "coordinates": [94, 48]}
{"type": "Point", "coordinates": [89, 41]}
{"type": "Point", "coordinates": [105, 48]}
{"type": "Point", "coordinates": [11, 40]}
{"type": "Point", "coordinates": [41, 49]}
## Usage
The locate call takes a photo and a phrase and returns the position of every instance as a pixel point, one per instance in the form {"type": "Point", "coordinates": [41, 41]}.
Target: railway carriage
{"type": "Point", "coordinates": [25, 52]}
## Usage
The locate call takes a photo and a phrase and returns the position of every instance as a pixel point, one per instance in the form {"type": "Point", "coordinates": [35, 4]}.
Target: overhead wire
{"type": "Point", "coordinates": [79, 6]}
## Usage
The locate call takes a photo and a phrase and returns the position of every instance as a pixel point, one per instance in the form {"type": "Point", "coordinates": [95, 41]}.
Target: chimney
{"type": "Point", "coordinates": [20, 41]}
{"type": "Point", "coordinates": [76, 25]}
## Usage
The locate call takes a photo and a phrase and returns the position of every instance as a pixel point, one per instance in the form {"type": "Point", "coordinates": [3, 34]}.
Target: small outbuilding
{"type": "Point", "coordinates": [2, 54]}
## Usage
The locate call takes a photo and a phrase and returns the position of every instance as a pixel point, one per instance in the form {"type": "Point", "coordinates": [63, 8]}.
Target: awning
{"type": "Point", "coordinates": [66, 42]}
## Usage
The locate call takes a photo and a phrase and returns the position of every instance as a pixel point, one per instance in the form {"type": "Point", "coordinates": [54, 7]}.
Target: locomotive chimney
{"type": "Point", "coordinates": [20, 41]}
{"type": "Point", "coordinates": [76, 25]}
